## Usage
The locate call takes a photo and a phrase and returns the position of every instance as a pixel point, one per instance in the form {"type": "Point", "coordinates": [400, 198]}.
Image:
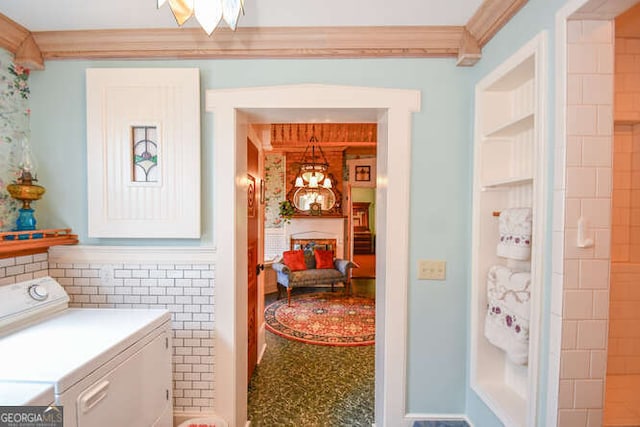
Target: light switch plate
{"type": "Point", "coordinates": [429, 269]}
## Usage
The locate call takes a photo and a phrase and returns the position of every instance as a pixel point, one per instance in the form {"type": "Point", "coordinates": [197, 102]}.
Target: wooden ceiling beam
{"type": "Point", "coordinates": [19, 41]}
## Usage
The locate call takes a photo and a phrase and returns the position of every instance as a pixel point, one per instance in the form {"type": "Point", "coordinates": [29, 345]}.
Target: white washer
{"type": "Point", "coordinates": [107, 367]}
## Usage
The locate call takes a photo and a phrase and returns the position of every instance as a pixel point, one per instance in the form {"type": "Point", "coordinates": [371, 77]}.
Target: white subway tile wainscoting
{"type": "Point", "coordinates": [19, 269]}
{"type": "Point", "coordinates": [187, 290]}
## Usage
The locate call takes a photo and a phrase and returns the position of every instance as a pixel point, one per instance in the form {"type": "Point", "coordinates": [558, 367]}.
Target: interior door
{"type": "Point", "coordinates": [252, 256]}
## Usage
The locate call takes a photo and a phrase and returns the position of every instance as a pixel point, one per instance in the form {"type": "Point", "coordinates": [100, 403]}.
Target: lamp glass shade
{"type": "Point", "coordinates": [313, 181]}
{"type": "Point", "coordinates": [299, 182]}
{"type": "Point", "coordinates": [309, 170]}
{"type": "Point", "coordinates": [327, 183]}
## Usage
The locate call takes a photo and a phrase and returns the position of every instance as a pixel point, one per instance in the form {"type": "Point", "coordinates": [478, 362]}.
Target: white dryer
{"type": "Point", "coordinates": [106, 367]}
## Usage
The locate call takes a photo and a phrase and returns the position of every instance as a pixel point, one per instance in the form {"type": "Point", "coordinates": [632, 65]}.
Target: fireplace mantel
{"type": "Point", "coordinates": [320, 227]}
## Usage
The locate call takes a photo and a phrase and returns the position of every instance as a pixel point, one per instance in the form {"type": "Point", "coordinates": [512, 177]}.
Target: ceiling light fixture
{"type": "Point", "coordinates": [209, 13]}
{"type": "Point", "coordinates": [313, 172]}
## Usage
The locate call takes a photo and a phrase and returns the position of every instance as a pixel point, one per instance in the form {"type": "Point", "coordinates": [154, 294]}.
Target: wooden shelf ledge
{"type": "Point", "coordinates": [20, 243]}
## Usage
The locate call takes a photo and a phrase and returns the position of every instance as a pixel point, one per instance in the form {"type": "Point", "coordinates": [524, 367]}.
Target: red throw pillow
{"type": "Point", "coordinates": [324, 259]}
{"type": "Point", "coordinates": [294, 260]}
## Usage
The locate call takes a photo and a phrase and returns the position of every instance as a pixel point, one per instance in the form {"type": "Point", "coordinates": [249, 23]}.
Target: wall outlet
{"type": "Point", "coordinates": [429, 269]}
{"type": "Point", "coordinates": [106, 275]}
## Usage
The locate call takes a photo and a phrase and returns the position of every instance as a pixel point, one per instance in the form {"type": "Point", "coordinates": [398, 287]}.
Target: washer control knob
{"type": "Point", "coordinates": [38, 292]}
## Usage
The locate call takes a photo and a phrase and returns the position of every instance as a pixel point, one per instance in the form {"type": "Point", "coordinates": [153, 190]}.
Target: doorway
{"type": "Point", "coordinates": [232, 110]}
{"type": "Point", "coordinates": [298, 382]}
{"type": "Point", "coordinates": [363, 232]}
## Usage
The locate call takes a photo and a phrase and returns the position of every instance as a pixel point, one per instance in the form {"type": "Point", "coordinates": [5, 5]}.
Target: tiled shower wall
{"type": "Point", "coordinates": [626, 192]}
{"type": "Point", "coordinates": [624, 320]}
{"type": "Point", "coordinates": [624, 314]}
{"type": "Point", "coordinates": [187, 290]}
{"type": "Point", "coordinates": [581, 283]}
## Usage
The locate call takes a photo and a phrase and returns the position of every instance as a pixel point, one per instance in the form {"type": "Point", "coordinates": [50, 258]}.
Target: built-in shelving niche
{"type": "Point", "coordinates": [509, 171]}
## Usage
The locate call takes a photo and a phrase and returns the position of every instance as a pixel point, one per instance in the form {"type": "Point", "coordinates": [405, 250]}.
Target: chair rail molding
{"type": "Point", "coordinates": [94, 254]}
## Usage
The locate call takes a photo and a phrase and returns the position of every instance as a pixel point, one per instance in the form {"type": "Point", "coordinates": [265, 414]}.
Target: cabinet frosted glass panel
{"type": "Point", "coordinates": [508, 173]}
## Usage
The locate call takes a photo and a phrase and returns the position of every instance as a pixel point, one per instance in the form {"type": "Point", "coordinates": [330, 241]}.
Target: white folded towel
{"type": "Point", "coordinates": [515, 233]}
{"type": "Point", "coordinates": [508, 310]}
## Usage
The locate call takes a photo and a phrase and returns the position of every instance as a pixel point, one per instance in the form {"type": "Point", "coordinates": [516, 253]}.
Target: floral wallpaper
{"type": "Point", "coordinates": [14, 122]}
{"type": "Point", "coordinates": [274, 173]}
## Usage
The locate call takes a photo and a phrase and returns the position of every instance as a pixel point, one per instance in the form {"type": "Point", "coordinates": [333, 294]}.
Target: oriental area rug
{"type": "Point", "coordinates": [324, 319]}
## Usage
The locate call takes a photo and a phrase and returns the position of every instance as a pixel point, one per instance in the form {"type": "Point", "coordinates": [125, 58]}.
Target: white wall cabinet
{"type": "Point", "coordinates": [509, 172]}
{"type": "Point", "coordinates": [143, 153]}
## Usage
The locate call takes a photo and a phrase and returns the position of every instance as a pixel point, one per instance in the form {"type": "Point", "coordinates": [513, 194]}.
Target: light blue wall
{"type": "Point", "coordinates": [440, 191]}
{"type": "Point", "coordinates": [536, 16]}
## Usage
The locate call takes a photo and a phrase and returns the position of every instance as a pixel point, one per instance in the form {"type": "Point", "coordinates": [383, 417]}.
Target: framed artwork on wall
{"type": "Point", "coordinates": [362, 172]}
{"type": "Point", "coordinates": [251, 196]}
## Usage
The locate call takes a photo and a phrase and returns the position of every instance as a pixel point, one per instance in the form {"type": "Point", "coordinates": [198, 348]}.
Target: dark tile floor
{"type": "Point", "coordinates": [309, 385]}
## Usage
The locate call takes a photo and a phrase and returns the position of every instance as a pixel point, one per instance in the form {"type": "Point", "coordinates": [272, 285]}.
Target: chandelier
{"type": "Point", "coordinates": [209, 13]}
{"type": "Point", "coordinates": [313, 171]}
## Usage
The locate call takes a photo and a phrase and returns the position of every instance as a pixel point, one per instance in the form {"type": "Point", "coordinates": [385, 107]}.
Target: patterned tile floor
{"type": "Point", "coordinates": [308, 385]}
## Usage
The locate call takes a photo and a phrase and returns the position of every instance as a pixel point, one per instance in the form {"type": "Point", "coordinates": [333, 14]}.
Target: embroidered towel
{"type": "Point", "coordinates": [514, 226]}
{"type": "Point", "coordinates": [508, 309]}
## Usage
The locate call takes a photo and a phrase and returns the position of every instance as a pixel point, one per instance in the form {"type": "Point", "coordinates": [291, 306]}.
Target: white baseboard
{"type": "Point", "coordinates": [410, 417]}
{"type": "Point", "coordinates": [262, 341]}
{"type": "Point", "coordinates": [261, 354]}
{"type": "Point", "coordinates": [182, 416]}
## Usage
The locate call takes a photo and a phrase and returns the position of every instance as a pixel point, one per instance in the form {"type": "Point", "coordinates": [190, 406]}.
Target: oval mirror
{"type": "Point", "coordinates": [304, 197]}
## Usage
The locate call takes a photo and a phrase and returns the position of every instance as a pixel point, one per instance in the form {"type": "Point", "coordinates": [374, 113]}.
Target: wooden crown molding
{"type": "Point", "coordinates": [19, 41]}
{"type": "Point", "coordinates": [253, 42]}
{"type": "Point", "coordinates": [463, 42]}
{"type": "Point", "coordinates": [490, 17]}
